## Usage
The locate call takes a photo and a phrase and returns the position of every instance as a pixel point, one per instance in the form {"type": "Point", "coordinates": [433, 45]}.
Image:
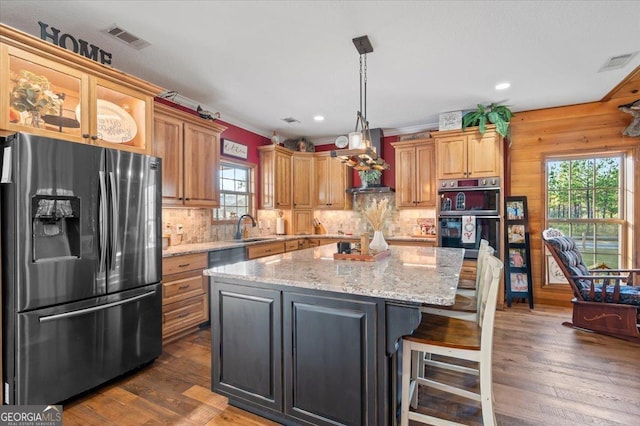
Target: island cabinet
{"type": "Point", "coordinates": [468, 155]}
{"type": "Point", "coordinates": [415, 173]}
{"type": "Point", "coordinates": [279, 354]}
{"type": "Point", "coordinates": [184, 295]}
{"type": "Point", "coordinates": [190, 152]}
{"type": "Point", "coordinates": [275, 177]}
{"type": "Point", "coordinates": [307, 340]}
{"type": "Point", "coordinates": [333, 178]}
{"type": "Point", "coordinates": [77, 99]}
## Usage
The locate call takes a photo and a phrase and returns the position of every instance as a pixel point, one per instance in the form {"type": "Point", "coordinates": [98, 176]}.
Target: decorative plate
{"type": "Point", "coordinates": [342, 142]}
{"type": "Point", "coordinates": [114, 123]}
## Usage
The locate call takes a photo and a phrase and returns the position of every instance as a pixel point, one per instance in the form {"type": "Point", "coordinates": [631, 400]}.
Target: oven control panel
{"type": "Point", "coordinates": [466, 184]}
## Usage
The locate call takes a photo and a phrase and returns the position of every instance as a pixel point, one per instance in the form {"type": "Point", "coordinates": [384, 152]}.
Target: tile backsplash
{"type": "Point", "coordinates": [198, 228]}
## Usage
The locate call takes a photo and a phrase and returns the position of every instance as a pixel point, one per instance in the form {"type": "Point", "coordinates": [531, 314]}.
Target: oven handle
{"type": "Point", "coordinates": [469, 188]}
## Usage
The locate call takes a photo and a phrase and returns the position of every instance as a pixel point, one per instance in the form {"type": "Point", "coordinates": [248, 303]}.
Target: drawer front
{"type": "Point", "coordinates": [184, 314]}
{"type": "Point", "coordinates": [291, 245]}
{"type": "Point", "coordinates": [174, 291]}
{"type": "Point", "coordinates": [262, 250]}
{"type": "Point", "coordinates": [187, 262]}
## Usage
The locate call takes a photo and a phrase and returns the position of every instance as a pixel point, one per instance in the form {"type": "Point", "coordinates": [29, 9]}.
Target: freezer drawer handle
{"type": "Point", "coordinates": [95, 308]}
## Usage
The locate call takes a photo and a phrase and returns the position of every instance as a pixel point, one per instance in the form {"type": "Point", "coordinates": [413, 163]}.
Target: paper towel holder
{"type": "Point", "coordinates": [280, 223]}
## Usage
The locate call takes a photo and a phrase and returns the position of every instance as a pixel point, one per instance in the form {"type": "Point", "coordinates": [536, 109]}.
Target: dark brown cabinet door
{"type": "Point", "coordinates": [329, 375]}
{"type": "Point", "coordinates": [247, 351]}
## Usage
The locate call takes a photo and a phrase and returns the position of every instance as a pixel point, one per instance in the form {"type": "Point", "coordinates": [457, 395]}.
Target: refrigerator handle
{"type": "Point", "coordinates": [115, 208]}
{"type": "Point", "coordinates": [103, 221]}
{"type": "Point", "coordinates": [94, 308]}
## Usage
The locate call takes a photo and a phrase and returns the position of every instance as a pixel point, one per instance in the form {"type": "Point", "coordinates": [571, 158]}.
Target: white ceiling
{"type": "Point", "coordinates": [257, 62]}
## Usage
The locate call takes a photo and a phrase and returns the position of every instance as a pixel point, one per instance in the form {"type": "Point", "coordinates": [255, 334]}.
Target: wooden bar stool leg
{"type": "Point", "coordinates": [406, 383]}
{"type": "Point", "coordinates": [416, 364]}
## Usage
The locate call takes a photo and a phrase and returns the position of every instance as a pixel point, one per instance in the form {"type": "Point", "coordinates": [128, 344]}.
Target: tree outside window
{"type": "Point", "coordinates": [584, 200]}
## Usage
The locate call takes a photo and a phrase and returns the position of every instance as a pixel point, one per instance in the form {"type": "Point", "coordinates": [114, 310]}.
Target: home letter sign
{"type": "Point", "coordinates": [79, 46]}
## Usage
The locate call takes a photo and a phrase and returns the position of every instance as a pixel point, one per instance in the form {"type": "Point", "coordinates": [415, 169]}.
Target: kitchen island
{"type": "Point", "coordinates": [301, 338]}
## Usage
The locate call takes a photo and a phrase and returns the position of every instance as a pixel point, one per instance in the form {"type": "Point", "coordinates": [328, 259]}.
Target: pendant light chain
{"type": "Point", "coordinates": [364, 112]}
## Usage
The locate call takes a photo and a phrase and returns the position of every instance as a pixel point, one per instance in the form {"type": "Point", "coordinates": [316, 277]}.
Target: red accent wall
{"type": "Point", "coordinates": [389, 176]}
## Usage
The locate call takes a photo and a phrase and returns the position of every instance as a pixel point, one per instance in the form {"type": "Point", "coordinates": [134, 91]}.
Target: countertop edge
{"type": "Point", "coordinates": [182, 249]}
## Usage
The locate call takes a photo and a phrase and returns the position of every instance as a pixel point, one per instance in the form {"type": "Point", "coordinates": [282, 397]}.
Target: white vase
{"type": "Point", "coordinates": [378, 243]}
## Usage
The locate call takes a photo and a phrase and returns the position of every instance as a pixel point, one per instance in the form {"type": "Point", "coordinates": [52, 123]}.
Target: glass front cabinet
{"type": "Point", "coordinates": [61, 97]}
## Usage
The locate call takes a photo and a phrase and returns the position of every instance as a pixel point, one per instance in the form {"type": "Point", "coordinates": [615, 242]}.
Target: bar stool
{"type": "Point", "coordinates": [454, 338]}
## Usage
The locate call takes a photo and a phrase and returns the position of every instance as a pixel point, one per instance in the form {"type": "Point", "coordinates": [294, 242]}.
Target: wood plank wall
{"type": "Point", "coordinates": [592, 127]}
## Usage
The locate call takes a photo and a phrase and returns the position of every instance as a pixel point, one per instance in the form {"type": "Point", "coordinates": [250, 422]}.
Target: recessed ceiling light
{"type": "Point", "coordinates": [318, 118]}
{"type": "Point", "coordinates": [503, 86]}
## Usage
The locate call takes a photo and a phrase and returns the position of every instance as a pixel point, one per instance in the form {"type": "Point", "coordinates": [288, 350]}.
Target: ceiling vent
{"type": "Point", "coordinates": [617, 62]}
{"type": "Point", "coordinates": [290, 120]}
{"type": "Point", "coordinates": [126, 37]}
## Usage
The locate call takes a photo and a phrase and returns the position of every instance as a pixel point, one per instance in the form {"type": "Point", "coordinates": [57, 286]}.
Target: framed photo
{"type": "Point", "coordinates": [519, 282]}
{"type": "Point", "coordinates": [517, 258]}
{"type": "Point", "coordinates": [515, 234]}
{"type": "Point", "coordinates": [234, 149]}
{"type": "Point", "coordinates": [515, 210]}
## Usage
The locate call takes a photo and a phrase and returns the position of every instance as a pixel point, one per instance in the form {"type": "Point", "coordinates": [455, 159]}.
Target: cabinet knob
{"type": "Point", "coordinates": [85, 135]}
{"type": "Point", "coordinates": [94, 137]}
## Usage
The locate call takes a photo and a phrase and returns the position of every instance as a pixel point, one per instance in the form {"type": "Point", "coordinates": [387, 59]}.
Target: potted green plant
{"type": "Point", "coordinates": [493, 113]}
{"type": "Point", "coordinates": [371, 176]}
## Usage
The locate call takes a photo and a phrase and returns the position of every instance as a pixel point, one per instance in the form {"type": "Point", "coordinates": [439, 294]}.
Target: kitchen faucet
{"type": "Point", "coordinates": [238, 234]}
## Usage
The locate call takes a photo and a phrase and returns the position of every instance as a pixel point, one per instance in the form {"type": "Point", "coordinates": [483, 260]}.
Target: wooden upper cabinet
{"type": "Point", "coordinates": [302, 180]}
{"type": "Point", "coordinates": [168, 145]}
{"type": "Point", "coordinates": [483, 155]}
{"type": "Point", "coordinates": [275, 177]}
{"type": "Point", "coordinates": [120, 117]}
{"type": "Point", "coordinates": [80, 100]}
{"type": "Point", "coordinates": [468, 155]}
{"type": "Point", "coordinates": [202, 166]}
{"type": "Point", "coordinates": [333, 178]}
{"type": "Point", "coordinates": [190, 152]}
{"type": "Point", "coordinates": [415, 173]}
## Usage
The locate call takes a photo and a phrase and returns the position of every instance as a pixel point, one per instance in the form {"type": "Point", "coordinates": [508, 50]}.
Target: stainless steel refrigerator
{"type": "Point", "coordinates": [81, 266]}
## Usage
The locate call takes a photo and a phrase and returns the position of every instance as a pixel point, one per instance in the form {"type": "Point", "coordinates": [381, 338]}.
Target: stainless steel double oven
{"type": "Point", "coordinates": [469, 211]}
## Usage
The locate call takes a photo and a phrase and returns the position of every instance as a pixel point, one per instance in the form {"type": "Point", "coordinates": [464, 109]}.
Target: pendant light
{"type": "Point", "coordinates": [360, 154]}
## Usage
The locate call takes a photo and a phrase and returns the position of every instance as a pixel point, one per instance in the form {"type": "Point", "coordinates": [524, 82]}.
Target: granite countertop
{"type": "Point", "coordinates": [181, 249]}
{"type": "Point", "coordinates": [427, 275]}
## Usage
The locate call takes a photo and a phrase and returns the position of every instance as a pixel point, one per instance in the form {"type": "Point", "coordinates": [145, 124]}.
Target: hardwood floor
{"type": "Point", "coordinates": [543, 373]}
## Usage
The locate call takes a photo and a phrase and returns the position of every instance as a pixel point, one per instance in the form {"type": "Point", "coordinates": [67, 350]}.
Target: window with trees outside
{"type": "Point", "coordinates": [236, 191]}
{"type": "Point", "coordinates": [585, 201]}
